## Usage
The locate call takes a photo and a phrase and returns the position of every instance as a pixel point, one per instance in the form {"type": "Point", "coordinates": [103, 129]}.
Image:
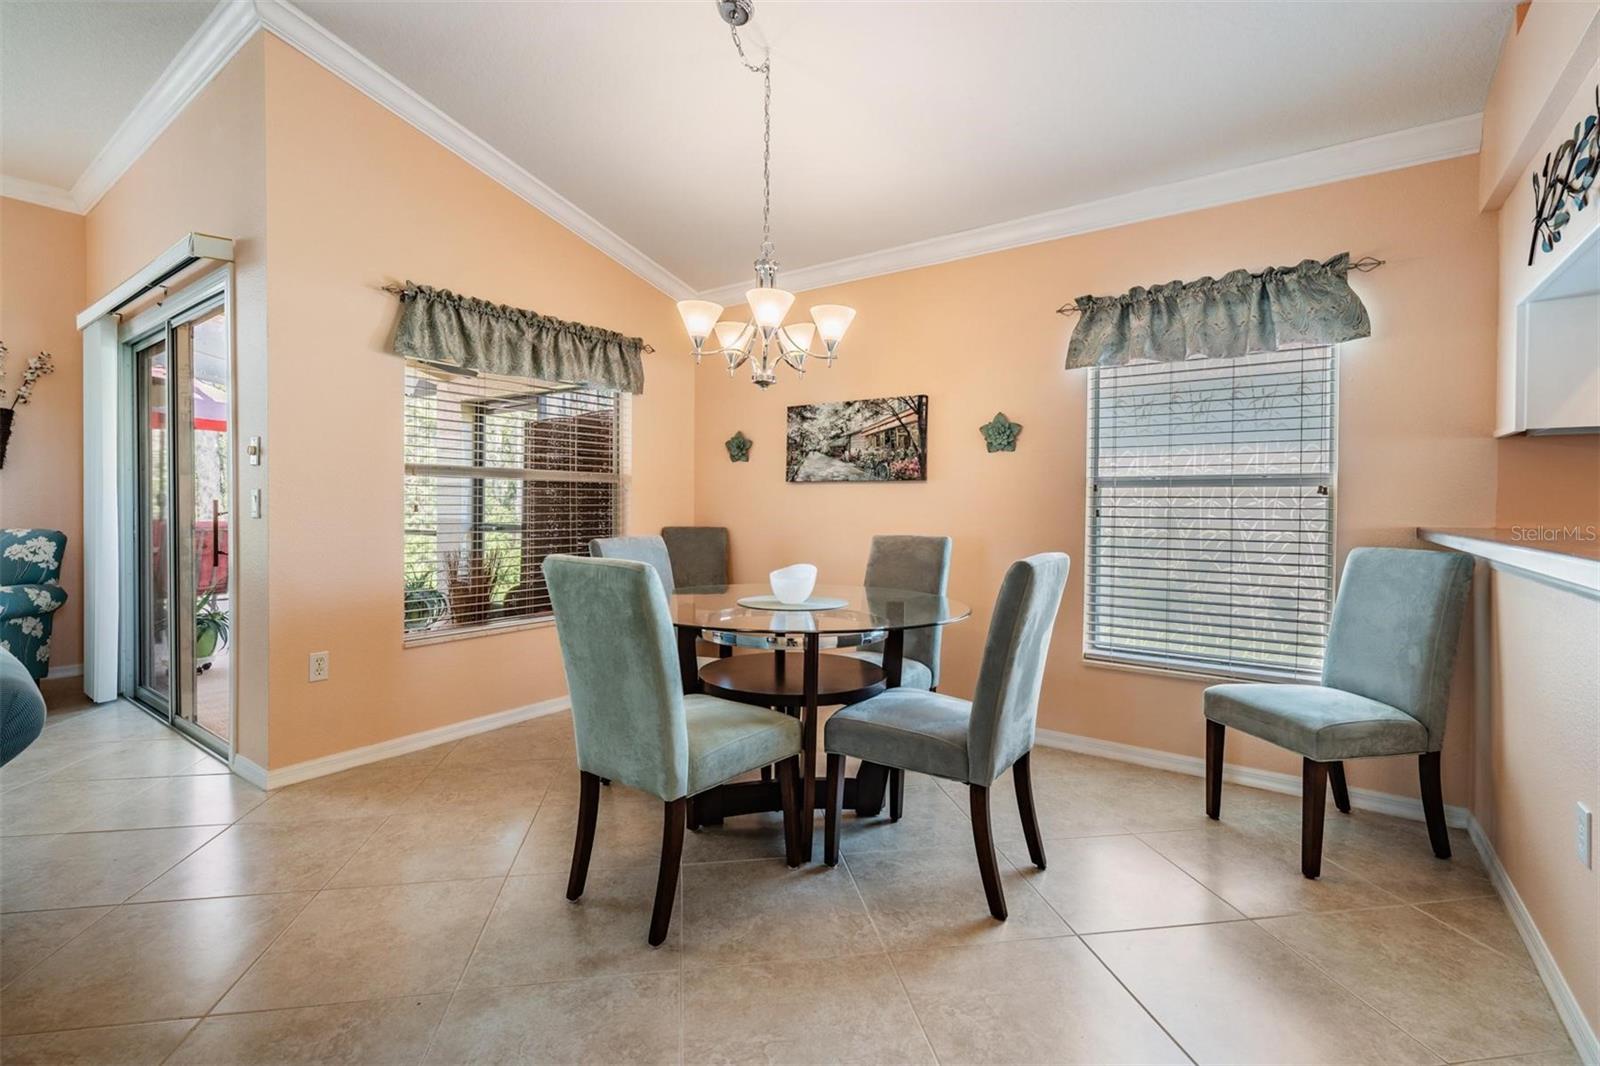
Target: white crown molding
{"type": "Point", "coordinates": [296, 28]}
{"type": "Point", "coordinates": [234, 21]}
{"type": "Point", "coordinates": [1374, 155]}
{"type": "Point", "coordinates": [223, 33]}
{"type": "Point", "coordinates": [37, 192]}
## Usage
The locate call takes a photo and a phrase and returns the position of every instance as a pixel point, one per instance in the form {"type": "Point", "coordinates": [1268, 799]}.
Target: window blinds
{"type": "Point", "coordinates": [1211, 513]}
{"type": "Point", "coordinates": [499, 473]}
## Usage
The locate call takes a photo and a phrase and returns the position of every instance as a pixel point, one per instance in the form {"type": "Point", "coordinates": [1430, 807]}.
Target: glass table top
{"type": "Point", "coordinates": [866, 609]}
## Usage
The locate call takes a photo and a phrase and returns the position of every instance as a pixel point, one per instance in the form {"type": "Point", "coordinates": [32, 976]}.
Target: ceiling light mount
{"type": "Point", "coordinates": [735, 12]}
{"type": "Point", "coordinates": [765, 341]}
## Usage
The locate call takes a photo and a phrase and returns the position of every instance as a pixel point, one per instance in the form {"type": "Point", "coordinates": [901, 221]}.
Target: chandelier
{"type": "Point", "coordinates": [765, 341]}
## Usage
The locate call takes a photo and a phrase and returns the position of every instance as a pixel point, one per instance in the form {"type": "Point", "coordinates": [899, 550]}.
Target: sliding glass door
{"type": "Point", "coordinates": [177, 492]}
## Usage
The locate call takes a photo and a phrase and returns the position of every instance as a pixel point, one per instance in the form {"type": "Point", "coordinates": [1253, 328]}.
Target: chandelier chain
{"type": "Point", "coordinates": [765, 70]}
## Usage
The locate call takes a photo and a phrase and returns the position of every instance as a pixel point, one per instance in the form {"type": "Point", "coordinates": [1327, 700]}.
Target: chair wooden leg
{"type": "Point", "coordinates": [583, 846]}
{"type": "Point", "coordinates": [832, 801]}
{"type": "Point", "coordinates": [1216, 736]}
{"type": "Point", "coordinates": [988, 864]}
{"type": "Point", "coordinates": [897, 794]}
{"type": "Point", "coordinates": [789, 788]}
{"type": "Point", "coordinates": [674, 814]}
{"type": "Point", "coordinates": [766, 774]}
{"type": "Point", "coordinates": [1022, 777]}
{"type": "Point", "coordinates": [1313, 798]}
{"type": "Point", "coordinates": [1433, 803]}
{"type": "Point", "coordinates": [1341, 792]}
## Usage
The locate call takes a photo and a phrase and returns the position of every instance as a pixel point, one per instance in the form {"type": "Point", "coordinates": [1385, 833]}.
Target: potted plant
{"type": "Point", "coordinates": [425, 604]}
{"type": "Point", "coordinates": [210, 629]}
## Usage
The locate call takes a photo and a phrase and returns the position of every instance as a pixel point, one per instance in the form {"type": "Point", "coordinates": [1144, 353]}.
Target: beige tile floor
{"type": "Point", "coordinates": [153, 910]}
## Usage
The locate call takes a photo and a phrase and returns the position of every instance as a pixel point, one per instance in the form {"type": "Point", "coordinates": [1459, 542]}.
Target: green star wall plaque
{"type": "Point", "coordinates": [1000, 433]}
{"type": "Point", "coordinates": [738, 447]}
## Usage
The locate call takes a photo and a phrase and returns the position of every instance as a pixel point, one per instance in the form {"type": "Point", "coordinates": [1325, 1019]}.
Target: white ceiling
{"type": "Point", "coordinates": [71, 72]}
{"type": "Point", "coordinates": [893, 122]}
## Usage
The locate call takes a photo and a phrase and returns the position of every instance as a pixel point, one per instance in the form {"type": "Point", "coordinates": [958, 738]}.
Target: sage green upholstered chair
{"type": "Point", "coordinates": [976, 742]}
{"type": "Point", "coordinates": [635, 726]}
{"type": "Point", "coordinates": [699, 554]}
{"type": "Point", "coordinates": [651, 550]}
{"type": "Point", "coordinates": [1385, 687]}
{"type": "Point", "coordinates": [920, 564]}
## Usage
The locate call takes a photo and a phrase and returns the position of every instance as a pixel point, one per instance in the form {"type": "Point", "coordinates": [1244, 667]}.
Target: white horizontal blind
{"type": "Point", "coordinates": [500, 472]}
{"type": "Point", "coordinates": [1211, 513]}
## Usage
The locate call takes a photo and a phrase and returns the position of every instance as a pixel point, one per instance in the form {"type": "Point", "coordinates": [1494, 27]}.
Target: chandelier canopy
{"type": "Point", "coordinates": [764, 341]}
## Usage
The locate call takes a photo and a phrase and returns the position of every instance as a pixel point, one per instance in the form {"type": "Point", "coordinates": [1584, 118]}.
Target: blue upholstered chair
{"type": "Point", "coordinates": [976, 742]}
{"type": "Point", "coordinates": [649, 550]}
{"type": "Point", "coordinates": [652, 551]}
{"type": "Point", "coordinates": [635, 726]}
{"type": "Point", "coordinates": [21, 708]}
{"type": "Point", "coordinates": [1385, 688]}
{"type": "Point", "coordinates": [919, 564]}
{"type": "Point", "coordinates": [30, 593]}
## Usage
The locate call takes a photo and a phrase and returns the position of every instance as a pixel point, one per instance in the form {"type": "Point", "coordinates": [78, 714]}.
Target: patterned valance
{"type": "Point", "coordinates": [1238, 314]}
{"type": "Point", "coordinates": [438, 326]}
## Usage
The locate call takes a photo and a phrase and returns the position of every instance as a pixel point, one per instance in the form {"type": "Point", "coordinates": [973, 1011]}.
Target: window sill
{"type": "Point", "coordinates": [1195, 673]}
{"type": "Point", "coordinates": [422, 638]}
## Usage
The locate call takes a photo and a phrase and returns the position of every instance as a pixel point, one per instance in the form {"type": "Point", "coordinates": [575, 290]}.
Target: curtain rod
{"type": "Point", "coordinates": [1365, 264]}
{"type": "Point", "coordinates": [394, 288]}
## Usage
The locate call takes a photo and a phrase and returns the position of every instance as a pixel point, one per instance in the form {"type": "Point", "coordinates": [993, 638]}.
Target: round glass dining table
{"type": "Point", "coordinates": [796, 677]}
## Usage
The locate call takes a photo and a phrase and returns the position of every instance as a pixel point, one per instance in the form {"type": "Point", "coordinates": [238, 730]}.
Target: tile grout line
{"type": "Point", "coordinates": [1151, 1014]}
{"type": "Point", "coordinates": [111, 908]}
{"type": "Point", "coordinates": [883, 948]}
{"type": "Point", "coordinates": [1358, 996]}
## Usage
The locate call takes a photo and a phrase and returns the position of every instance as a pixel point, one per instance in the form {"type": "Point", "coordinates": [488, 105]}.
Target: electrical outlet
{"type": "Point", "coordinates": [1585, 835]}
{"type": "Point", "coordinates": [319, 666]}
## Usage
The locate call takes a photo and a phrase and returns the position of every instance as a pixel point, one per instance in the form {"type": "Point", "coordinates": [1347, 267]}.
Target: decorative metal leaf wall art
{"type": "Point", "coordinates": [1562, 185]}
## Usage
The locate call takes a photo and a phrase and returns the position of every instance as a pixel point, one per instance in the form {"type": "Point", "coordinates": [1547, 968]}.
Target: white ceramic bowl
{"type": "Point", "coordinates": [793, 584]}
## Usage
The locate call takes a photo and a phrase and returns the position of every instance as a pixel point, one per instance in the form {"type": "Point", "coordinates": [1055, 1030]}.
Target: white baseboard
{"type": "Point", "coordinates": [1269, 780]}
{"type": "Point", "coordinates": [70, 670]}
{"type": "Point", "coordinates": [252, 772]}
{"type": "Point", "coordinates": [388, 749]}
{"type": "Point", "coordinates": [1578, 1028]}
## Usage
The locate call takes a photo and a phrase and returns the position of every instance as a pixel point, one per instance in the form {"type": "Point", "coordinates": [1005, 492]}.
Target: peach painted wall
{"type": "Point", "coordinates": [980, 335]}
{"type": "Point", "coordinates": [206, 174]}
{"type": "Point", "coordinates": [1540, 756]}
{"type": "Point", "coordinates": [357, 198]}
{"type": "Point", "coordinates": [41, 292]}
{"type": "Point", "coordinates": [1538, 749]}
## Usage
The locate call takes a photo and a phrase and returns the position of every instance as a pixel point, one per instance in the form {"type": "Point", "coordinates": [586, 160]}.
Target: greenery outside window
{"type": "Point", "coordinates": [499, 473]}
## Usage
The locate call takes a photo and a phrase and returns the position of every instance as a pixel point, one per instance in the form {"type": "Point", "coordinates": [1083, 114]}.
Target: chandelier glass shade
{"type": "Point", "coordinates": [764, 341]}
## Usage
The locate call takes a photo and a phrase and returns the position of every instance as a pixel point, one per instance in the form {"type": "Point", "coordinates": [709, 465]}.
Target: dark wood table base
{"type": "Point", "coordinates": [801, 684]}
{"type": "Point", "coordinates": [777, 679]}
{"type": "Point", "coordinates": [863, 793]}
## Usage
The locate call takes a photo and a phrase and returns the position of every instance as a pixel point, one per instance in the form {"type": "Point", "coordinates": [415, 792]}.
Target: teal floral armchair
{"type": "Point", "coordinates": [30, 593]}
